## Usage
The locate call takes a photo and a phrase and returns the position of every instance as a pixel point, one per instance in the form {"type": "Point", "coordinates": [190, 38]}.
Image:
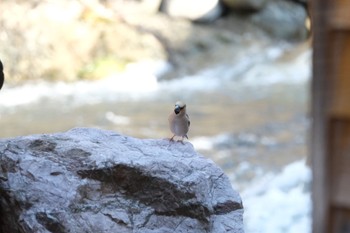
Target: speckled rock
{"type": "Point", "coordinates": [91, 180]}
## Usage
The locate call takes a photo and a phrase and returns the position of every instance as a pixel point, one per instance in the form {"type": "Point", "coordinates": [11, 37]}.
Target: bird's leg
{"type": "Point", "coordinates": [172, 138]}
{"type": "Point", "coordinates": [182, 140]}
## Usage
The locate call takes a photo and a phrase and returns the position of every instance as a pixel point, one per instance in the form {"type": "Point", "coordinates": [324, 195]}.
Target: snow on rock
{"type": "Point", "coordinates": [91, 180]}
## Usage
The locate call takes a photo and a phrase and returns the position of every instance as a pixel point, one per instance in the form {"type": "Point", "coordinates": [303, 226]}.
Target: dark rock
{"type": "Point", "coordinates": [283, 19]}
{"type": "Point", "coordinates": [253, 5]}
{"type": "Point", "coordinates": [90, 180]}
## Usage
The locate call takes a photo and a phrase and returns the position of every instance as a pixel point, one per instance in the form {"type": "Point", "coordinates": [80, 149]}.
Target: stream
{"type": "Point", "coordinates": [250, 117]}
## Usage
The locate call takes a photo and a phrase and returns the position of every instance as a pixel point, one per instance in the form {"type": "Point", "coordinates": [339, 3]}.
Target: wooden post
{"type": "Point", "coordinates": [330, 136]}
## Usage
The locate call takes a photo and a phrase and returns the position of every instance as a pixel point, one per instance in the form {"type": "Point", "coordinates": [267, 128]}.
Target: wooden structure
{"type": "Point", "coordinates": [330, 137]}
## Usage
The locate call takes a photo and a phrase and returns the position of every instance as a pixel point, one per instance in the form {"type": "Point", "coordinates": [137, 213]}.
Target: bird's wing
{"type": "Point", "coordinates": [188, 119]}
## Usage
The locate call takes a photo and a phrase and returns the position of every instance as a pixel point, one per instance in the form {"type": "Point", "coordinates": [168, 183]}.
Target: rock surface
{"type": "Point", "coordinates": [245, 4]}
{"type": "Point", "coordinates": [90, 180]}
{"type": "Point", "coordinates": [283, 19]}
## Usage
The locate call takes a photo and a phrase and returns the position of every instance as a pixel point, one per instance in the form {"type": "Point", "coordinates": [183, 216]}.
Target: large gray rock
{"type": "Point", "coordinates": [90, 180]}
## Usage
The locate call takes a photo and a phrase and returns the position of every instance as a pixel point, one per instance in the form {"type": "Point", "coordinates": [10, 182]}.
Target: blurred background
{"type": "Point", "coordinates": [242, 67]}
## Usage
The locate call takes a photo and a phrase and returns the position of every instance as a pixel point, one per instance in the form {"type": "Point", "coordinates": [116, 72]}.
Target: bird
{"type": "Point", "coordinates": [2, 76]}
{"type": "Point", "coordinates": [179, 121]}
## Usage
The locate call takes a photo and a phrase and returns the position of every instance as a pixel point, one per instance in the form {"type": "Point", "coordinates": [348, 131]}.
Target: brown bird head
{"type": "Point", "coordinates": [179, 107]}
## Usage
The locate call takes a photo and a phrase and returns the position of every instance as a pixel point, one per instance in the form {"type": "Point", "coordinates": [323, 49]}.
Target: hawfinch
{"type": "Point", "coordinates": [179, 122]}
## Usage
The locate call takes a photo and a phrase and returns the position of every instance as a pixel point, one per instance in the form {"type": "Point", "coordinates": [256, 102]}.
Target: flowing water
{"type": "Point", "coordinates": [250, 118]}
{"type": "Point", "coordinates": [257, 118]}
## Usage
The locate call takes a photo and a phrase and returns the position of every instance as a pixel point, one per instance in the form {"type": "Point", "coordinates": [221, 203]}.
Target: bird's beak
{"type": "Point", "coordinates": [177, 109]}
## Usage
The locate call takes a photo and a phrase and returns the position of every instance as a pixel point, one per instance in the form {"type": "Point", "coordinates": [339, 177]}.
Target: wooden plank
{"type": "Point", "coordinates": [340, 72]}
{"type": "Point", "coordinates": [330, 51]}
{"type": "Point", "coordinates": [320, 103]}
{"type": "Point", "coordinates": [339, 161]}
{"type": "Point", "coordinates": [340, 221]}
{"type": "Point", "coordinates": [339, 17]}
{"type": "Point", "coordinates": [339, 47]}
{"type": "Point", "coordinates": [330, 136]}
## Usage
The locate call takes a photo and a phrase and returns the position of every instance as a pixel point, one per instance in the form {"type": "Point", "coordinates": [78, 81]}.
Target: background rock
{"type": "Point", "coordinates": [69, 40]}
{"type": "Point", "coordinates": [89, 180]}
{"type": "Point", "coordinates": [283, 19]}
{"type": "Point", "coordinates": [245, 4]}
{"type": "Point", "coordinates": [195, 10]}
{"type": "Point", "coordinates": [90, 39]}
